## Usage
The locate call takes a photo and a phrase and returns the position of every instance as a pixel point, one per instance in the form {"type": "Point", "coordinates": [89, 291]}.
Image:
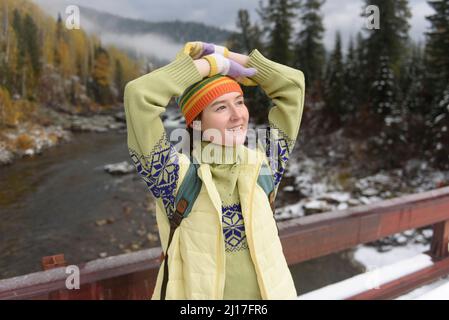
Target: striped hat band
{"type": "Point", "coordinates": [199, 95]}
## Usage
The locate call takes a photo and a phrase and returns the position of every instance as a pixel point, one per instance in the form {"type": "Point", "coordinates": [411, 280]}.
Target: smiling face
{"type": "Point", "coordinates": [225, 120]}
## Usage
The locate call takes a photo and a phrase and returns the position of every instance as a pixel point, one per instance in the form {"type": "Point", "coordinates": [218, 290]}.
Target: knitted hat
{"type": "Point", "coordinates": [199, 95]}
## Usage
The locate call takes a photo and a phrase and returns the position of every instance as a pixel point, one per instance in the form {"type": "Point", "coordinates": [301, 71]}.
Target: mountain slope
{"type": "Point", "coordinates": [177, 31]}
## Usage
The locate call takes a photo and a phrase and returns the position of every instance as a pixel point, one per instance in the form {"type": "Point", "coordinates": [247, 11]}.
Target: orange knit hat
{"type": "Point", "coordinates": [199, 95]}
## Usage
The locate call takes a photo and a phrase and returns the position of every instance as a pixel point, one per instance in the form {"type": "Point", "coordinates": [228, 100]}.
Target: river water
{"type": "Point", "coordinates": [64, 202]}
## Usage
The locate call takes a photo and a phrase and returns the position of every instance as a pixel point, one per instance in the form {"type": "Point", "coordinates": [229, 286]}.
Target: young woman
{"type": "Point", "coordinates": [228, 247]}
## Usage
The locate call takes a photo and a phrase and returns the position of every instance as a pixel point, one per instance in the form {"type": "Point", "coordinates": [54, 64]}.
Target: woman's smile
{"type": "Point", "coordinates": [235, 129]}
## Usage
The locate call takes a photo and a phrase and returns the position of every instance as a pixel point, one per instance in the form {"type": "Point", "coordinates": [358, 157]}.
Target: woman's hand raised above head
{"type": "Point", "coordinates": [225, 66]}
{"type": "Point", "coordinates": [198, 49]}
{"type": "Point", "coordinates": [202, 66]}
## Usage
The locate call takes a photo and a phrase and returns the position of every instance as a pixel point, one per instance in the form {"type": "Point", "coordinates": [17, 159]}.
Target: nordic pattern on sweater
{"type": "Point", "coordinates": [160, 171]}
{"type": "Point", "coordinates": [283, 145]}
{"type": "Point", "coordinates": [234, 228]}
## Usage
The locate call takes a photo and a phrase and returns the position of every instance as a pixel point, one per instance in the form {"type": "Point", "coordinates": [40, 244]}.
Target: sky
{"type": "Point", "coordinates": [343, 15]}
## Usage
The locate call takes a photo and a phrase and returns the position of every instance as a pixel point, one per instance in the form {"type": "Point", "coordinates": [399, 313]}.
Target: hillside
{"type": "Point", "coordinates": [156, 41]}
{"type": "Point", "coordinates": [177, 31]}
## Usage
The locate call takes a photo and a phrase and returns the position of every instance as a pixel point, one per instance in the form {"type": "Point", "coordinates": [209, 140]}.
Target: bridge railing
{"type": "Point", "coordinates": [133, 275]}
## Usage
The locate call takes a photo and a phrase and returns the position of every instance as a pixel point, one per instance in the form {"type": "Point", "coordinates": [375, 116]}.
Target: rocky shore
{"type": "Point", "coordinates": [52, 128]}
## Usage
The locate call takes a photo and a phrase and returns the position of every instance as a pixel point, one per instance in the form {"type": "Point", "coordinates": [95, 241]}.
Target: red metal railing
{"type": "Point", "coordinates": [133, 275]}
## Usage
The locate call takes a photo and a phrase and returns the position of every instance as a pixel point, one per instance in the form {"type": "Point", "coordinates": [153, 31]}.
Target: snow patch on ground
{"type": "Point", "coordinates": [371, 258]}
{"type": "Point", "coordinates": [418, 293]}
{"type": "Point", "coordinates": [374, 278]}
{"type": "Point", "coordinates": [439, 293]}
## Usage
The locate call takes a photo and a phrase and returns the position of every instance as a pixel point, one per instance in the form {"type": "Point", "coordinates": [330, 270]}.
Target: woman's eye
{"type": "Point", "coordinates": [219, 108]}
{"type": "Point", "coordinates": [241, 102]}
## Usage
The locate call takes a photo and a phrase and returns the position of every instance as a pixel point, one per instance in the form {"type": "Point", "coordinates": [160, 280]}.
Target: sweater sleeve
{"type": "Point", "coordinates": [285, 86]}
{"type": "Point", "coordinates": [145, 98]}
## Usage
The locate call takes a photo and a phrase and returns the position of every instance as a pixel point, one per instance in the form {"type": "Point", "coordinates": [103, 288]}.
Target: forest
{"type": "Point", "coordinates": [383, 88]}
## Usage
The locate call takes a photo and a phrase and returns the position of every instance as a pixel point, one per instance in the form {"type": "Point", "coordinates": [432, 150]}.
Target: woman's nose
{"type": "Point", "coordinates": [235, 112]}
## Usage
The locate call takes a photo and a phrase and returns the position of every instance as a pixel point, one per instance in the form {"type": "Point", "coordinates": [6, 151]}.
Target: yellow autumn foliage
{"type": "Point", "coordinates": [69, 53]}
{"type": "Point", "coordinates": [9, 115]}
{"type": "Point", "coordinates": [24, 142]}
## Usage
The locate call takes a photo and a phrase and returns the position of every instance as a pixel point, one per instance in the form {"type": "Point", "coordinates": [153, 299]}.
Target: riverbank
{"type": "Point", "coordinates": [52, 128]}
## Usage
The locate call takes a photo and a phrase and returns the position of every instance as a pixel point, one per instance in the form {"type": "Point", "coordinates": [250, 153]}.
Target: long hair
{"type": "Point", "coordinates": [190, 133]}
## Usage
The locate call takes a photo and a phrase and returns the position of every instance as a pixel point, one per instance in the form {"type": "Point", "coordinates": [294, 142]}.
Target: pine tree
{"type": "Point", "coordinates": [118, 78]}
{"type": "Point", "coordinates": [334, 83]}
{"type": "Point", "coordinates": [62, 51]}
{"type": "Point", "coordinates": [383, 91]}
{"type": "Point", "coordinates": [412, 82]}
{"type": "Point", "coordinates": [100, 85]}
{"type": "Point", "coordinates": [437, 48]}
{"type": "Point", "coordinates": [248, 37]}
{"type": "Point", "coordinates": [437, 80]}
{"type": "Point", "coordinates": [31, 39]}
{"type": "Point", "coordinates": [384, 54]}
{"type": "Point", "coordinates": [277, 25]}
{"type": "Point", "coordinates": [309, 52]}
{"type": "Point", "coordinates": [439, 130]}
{"type": "Point", "coordinates": [351, 78]}
{"type": "Point", "coordinates": [4, 46]}
{"type": "Point", "coordinates": [244, 25]}
{"type": "Point", "coordinates": [20, 73]}
{"type": "Point", "coordinates": [392, 37]}
{"type": "Point", "coordinates": [59, 38]}
{"type": "Point", "coordinates": [5, 32]}
{"type": "Point", "coordinates": [30, 63]}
